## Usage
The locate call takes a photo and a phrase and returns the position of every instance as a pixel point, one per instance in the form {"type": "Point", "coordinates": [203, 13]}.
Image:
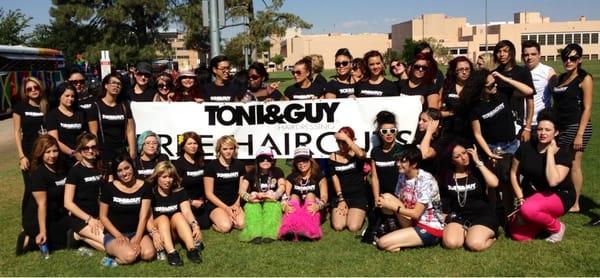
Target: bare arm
{"type": "Point", "coordinates": [522, 89]}
{"type": "Point", "coordinates": [481, 141]}
{"type": "Point", "coordinates": [93, 126]}
{"type": "Point", "coordinates": [130, 133]}
{"type": "Point", "coordinates": [514, 179]}
{"type": "Point", "coordinates": [433, 100]}
{"type": "Point", "coordinates": [41, 201]}
{"type": "Point", "coordinates": [374, 180]}
{"type": "Point", "coordinates": [323, 190]}
{"type": "Point", "coordinates": [587, 86]}
{"type": "Point", "coordinates": [108, 225]}
{"type": "Point", "coordinates": [555, 173]}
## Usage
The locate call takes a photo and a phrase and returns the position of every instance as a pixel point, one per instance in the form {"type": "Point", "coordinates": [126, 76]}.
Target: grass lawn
{"type": "Point", "coordinates": [337, 254]}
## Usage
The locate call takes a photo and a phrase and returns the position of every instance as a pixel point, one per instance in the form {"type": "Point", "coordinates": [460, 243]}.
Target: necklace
{"type": "Point", "coordinates": [462, 200]}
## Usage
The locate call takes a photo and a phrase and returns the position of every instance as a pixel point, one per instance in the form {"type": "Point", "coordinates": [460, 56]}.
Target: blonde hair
{"type": "Point", "coordinates": [226, 140]}
{"type": "Point", "coordinates": [43, 99]}
{"type": "Point", "coordinates": [317, 63]}
{"type": "Point", "coordinates": [488, 62]}
{"type": "Point", "coordinates": [165, 167]}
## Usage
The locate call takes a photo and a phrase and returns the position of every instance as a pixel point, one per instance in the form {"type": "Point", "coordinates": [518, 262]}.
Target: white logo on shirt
{"type": "Point", "coordinates": [371, 92]}
{"type": "Point", "coordinates": [86, 106]}
{"type": "Point", "coordinates": [70, 126]}
{"type": "Point", "coordinates": [385, 163]}
{"type": "Point", "coordinates": [61, 182]}
{"type": "Point", "coordinates": [145, 172]}
{"type": "Point", "coordinates": [302, 97]}
{"type": "Point", "coordinates": [220, 98]}
{"type": "Point", "coordinates": [127, 201]}
{"type": "Point", "coordinates": [195, 173]}
{"type": "Point", "coordinates": [170, 208]}
{"type": "Point", "coordinates": [347, 91]}
{"type": "Point", "coordinates": [92, 178]}
{"type": "Point", "coordinates": [493, 112]}
{"type": "Point", "coordinates": [462, 188]}
{"type": "Point", "coordinates": [113, 117]}
{"type": "Point", "coordinates": [227, 175]}
{"type": "Point", "coordinates": [345, 167]}
{"type": "Point", "coordinates": [34, 114]}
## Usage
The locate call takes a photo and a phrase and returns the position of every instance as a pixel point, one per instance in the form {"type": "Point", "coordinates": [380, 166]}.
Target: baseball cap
{"type": "Point", "coordinates": [264, 151]}
{"type": "Point", "coordinates": [302, 152]}
{"type": "Point", "coordinates": [144, 68]}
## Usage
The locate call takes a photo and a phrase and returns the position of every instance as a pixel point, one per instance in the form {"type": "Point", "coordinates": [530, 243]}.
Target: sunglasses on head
{"type": "Point", "coordinates": [572, 59]}
{"type": "Point", "coordinates": [491, 86]}
{"type": "Point", "coordinates": [342, 64]}
{"type": "Point", "coordinates": [254, 77]}
{"type": "Point", "coordinates": [77, 82]}
{"type": "Point", "coordinates": [420, 67]}
{"type": "Point", "coordinates": [385, 131]}
{"type": "Point", "coordinates": [32, 89]}
{"type": "Point", "coordinates": [88, 148]}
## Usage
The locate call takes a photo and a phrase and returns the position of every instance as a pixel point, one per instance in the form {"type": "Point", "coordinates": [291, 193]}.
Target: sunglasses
{"type": "Point", "coordinates": [264, 159]}
{"type": "Point", "coordinates": [385, 131]}
{"type": "Point", "coordinates": [297, 72]}
{"type": "Point", "coordinates": [88, 148]}
{"type": "Point", "coordinates": [420, 67]}
{"type": "Point", "coordinates": [32, 89]}
{"type": "Point", "coordinates": [491, 86]}
{"type": "Point", "coordinates": [342, 64]}
{"type": "Point", "coordinates": [572, 59]}
{"type": "Point", "coordinates": [163, 86]}
{"type": "Point", "coordinates": [463, 70]}
{"type": "Point", "coordinates": [254, 77]}
{"type": "Point", "coordinates": [77, 82]}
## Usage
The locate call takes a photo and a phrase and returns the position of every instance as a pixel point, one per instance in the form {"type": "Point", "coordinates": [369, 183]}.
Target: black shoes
{"type": "Point", "coordinates": [173, 259]}
{"type": "Point", "coordinates": [194, 256]}
{"type": "Point", "coordinates": [256, 240]}
{"type": "Point", "coordinates": [71, 241]}
{"type": "Point", "coordinates": [20, 244]}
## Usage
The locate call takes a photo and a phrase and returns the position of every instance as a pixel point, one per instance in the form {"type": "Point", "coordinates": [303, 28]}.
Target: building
{"type": "Point", "coordinates": [186, 58]}
{"type": "Point", "coordinates": [293, 46]}
{"type": "Point", "coordinates": [469, 40]}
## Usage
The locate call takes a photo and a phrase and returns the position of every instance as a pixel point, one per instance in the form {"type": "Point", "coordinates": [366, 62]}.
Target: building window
{"type": "Point", "coordinates": [550, 39]}
{"type": "Point", "coordinates": [568, 38]}
{"type": "Point", "coordinates": [462, 51]}
{"type": "Point", "coordinates": [594, 38]}
{"type": "Point", "coordinates": [594, 56]}
{"type": "Point", "coordinates": [523, 38]}
{"type": "Point", "coordinates": [542, 39]}
{"type": "Point", "coordinates": [585, 38]}
{"type": "Point", "coordinates": [489, 48]}
{"type": "Point", "coordinates": [453, 51]}
{"type": "Point", "coordinates": [558, 58]}
{"type": "Point", "coordinates": [577, 38]}
{"type": "Point", "coordinates": [585, 57]}
{"type": "Point", "coordinates": [550, 58]}
{"type": "Point", "coordinates": [533, 37]}
{"type": "Point", "coordinates": [560, 39]}
{"type": "Point", "coordinates": [543, 58]}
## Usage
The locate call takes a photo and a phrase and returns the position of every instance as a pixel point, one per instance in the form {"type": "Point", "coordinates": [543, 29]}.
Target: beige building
{"type": "Point", "coordinates": [465, 39]}
{"type": "Point", "coordinates": [186, 58]}
{"type": "Point", "coordinates": [293, 46]}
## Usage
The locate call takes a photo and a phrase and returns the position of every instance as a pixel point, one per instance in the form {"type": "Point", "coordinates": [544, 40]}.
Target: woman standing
{"type": "Point", "coordinates": [342, 85]}
{"type": "Point", "coordinates": [573, 105]}
{"type": "Point", "coordinates": [44, 218]}
{"type": "Point", "coordinates": [82, 190]}
{"type": "Point", "coordinates": [164, 86]}
{"type": "Point", "coordinates": [257, 84]}
{"type": "Point", "coordinates": [110, 119]}
{"type": "Point", "coordinates": [187, 87]}
{"type": "Point", "coordinates": [124, 211]}
{"type": "Point", "coordinates": [455, 104]}
{"type": "Point", "coordinates": [350, 183]}
{"type": "Point", "coordinates": [261, 190]}
{"type": "Point", "coordinates": [421, 80]}
{"type": "Point", "coordinates": [375, 85]}
{"type": "Point", "coordinates": [546, 192]}
{"type": "Point", "coordinates": [470, 220]}
{"type": "Point", "coordinates": [190, 167]}
{"type": "Point", "coordinates": [66, 122]}
{"type": "Point", "coordinates": [172, 216]}
{"type": "Point", "coordinates": [307, 191]}
{"type": "Point", "coordinates": [303, 88]}
{"type": "Point", "coordinates": [427, 138]}
{"type": "Point", "coordinates": [83, 93]}
{"type": "Point", "coordinates": [222, 178]}
{"type": "Point", "coordinates": [149, 154]}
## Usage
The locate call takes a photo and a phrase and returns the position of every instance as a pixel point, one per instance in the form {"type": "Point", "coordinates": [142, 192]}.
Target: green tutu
{"type": "Point", "coordinates": [262, 221]}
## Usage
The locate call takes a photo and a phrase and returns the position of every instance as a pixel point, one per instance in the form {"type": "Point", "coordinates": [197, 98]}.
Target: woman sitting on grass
{"type": "Point", "coordinates": [417, 201]}
{"type": "Point", "coordinates": [266, 184]}
{"type": "Point", "coordinates": [172, 215]}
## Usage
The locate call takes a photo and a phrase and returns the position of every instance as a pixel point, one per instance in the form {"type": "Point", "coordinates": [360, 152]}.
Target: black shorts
{"type": "Point", "coordinates": [359, 201]}
{"type": "Point", "coordinates": [201, 215]}
{"type": "Point", "coordinates": [76, 223]}
{"type": "Point", "coordinates": [467, 220]}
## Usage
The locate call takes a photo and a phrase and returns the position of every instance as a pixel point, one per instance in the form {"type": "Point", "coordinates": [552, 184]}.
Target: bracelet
{"type": "Point", "coordinates": [246, 196]}
{"type": "Point", "coordinates": [479, 164]}
{"type": "Point", "coordinates": [194, 222]}
{"type": "Point", "coordinates": [285, 197]}
{"type": "Point", "coordinates": [527, 129]}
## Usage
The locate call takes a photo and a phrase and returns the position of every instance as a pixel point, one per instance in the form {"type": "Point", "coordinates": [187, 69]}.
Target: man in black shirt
{"type": "Point", "coordinates": [221, 90]}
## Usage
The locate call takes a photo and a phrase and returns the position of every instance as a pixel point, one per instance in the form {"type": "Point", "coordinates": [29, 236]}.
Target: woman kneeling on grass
{"type": "Point", "coordinates": [263, 211]}
{"type": "Point", "coordinates": [172, 215]}
{"type": "Point", "coordinates": [546, 191]}
{"type": "Point", "coordinates": [307, 188]}
{"type": "Point", "coordinates": [418, 201]}
{"type": "Point", "coordinates": [471, 220]}
{"type": "Point", "coordinates": [124, 211]}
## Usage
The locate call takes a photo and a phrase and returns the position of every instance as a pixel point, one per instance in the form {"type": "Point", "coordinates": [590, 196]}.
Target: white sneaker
{"type": "Point", "coordinates": [558, 236]}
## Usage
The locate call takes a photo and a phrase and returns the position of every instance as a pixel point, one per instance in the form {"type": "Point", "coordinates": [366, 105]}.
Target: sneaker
{"type": "Point", "coordinates": [194, 256]}
{"type": "Point", "coordinates": [20, 250]}
{"type": "Point", "coordinates": [558, 236]}
{"type": "Point", "coordinates": [256, 240]}
{"type": "Point", "coordinates": [594, 223]}
{"type": "Point", "coordinates": [173, 259]}
{"type": "Point", "coordinates": [161, 255]}
{"type": "Point", "coordinates": [267, 240]}
{"type": "Point", "coordinates": [71, 241]}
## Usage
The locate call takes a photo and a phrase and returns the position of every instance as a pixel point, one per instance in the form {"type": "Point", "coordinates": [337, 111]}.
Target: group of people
{"type": "Point", "coordinates": [497, 145]}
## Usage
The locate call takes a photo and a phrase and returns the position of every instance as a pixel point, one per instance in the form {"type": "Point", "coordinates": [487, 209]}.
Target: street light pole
{"type": "Point", "coordinates": [215, 39]}
{"type": "Point", "coordinates": [486, 27]}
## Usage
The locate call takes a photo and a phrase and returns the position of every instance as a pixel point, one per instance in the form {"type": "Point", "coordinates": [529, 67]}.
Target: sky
{"type": "Point", "coordinates": [360, 16]}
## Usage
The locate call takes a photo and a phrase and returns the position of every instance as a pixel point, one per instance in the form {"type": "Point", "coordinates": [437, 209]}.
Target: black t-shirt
{"type": "Point", "coordinates": [275, 95]}
{"type": "Point", "coordinates": [473, 196]}
{"type": "Point", "coordinates": [432, 164]}
{"type": "Point", "coordinates": [438, 82]}
{"type": "Point", "coordinates": [124, 208]}
{"type": "Point", "coordinates": [112, 124]}
{"type": "Point", "coordinates": [568, 102]}
{"type": "Point", "coordinates": [226, 179]}
{"type": "Point", "coordinates": [146, 96]}
{"type": "Point", "coordinates": [294, 92]}
{"type": "Point", "coordinates": [350, 175]}
{"type": "Point", "coordinates": [192, 177]}
{"type": "Point", "coordinates": [341, 90]}
{"type": "Point", "coordinates": [385, 165]}
{"type": "Point", "coordinates": [302, 187]}
{"type": "Point", "coordinates": [68, 127]}
{"type": "Point", "coordinates": [85, 104]}
{"type": "Point", "coordinates": [168, 205]}
{"type": "Point", "coordinates": [146, 168]}
{"type": "Point", "coordinates": [458, 123]}
{"type": "Point", "coordinates": [266, 182]}
{"type": "Point", "coordinates": [226, 93]}
{"type": "Point", "coordinates": [53, 184]}
{"type": "Point", "coordinates": [532, 166]}
{"type": "Point", "coordinates": [496, 119]}
{"type": "Point", "coordinates": [421, 90]}
{"type": "Point", "coordinates": [522, 75]}
{"type": "Point", "coordinates": [386, 88]}
{"type": "Point", "coordinates": [32, 123]}
{"type": "Point", "coordinates": [320, 80]}
{"type": "Point", "coordinates": [87, 182]}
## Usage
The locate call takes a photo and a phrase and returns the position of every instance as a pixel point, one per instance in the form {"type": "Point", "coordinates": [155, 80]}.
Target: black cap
{"type": "Point", "coordinates": [145, 68]}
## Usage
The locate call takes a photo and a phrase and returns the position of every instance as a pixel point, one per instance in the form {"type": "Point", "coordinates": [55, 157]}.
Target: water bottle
{"type": "Point", "coordinates": [45, 252]}
{"type": "Point", "coordinates": [84, 252]}
{"type": "Point", "coordinates": [109, 262]}
{"type": "Point", "coordinates": [161, 255]}
{"type": "Point", "coordinates": [498, 150]}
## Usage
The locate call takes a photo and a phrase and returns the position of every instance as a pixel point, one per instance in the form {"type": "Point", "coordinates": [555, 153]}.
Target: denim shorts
{"type": "Point", "coordinates": [507, 147]}
{"type": "Point", "coordinates": [427, 238]}
{"type": "Point", "coordinates": [108, 237]}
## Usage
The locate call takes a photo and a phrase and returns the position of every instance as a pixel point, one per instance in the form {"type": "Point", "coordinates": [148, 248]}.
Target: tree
{"type": "Point", "coordinates": [234, 49]}
{"type": "Point", "coordinates": [440, 53]}
{"type": "Point", "coordinates": [12, 25]}
{"type": "Point", "coordinates": [277, 59]}
{"type": "Point", "coordinates": [391, 55]}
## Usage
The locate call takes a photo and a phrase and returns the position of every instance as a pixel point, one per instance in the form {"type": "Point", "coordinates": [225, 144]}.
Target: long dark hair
{"type": "Point", "coordinates": [511, 50]}
{"type": "Point", "coordinates": [564, 55]}
{"type": "Point", "coordinates": [199, 155]}
{"type": "Point", "coordinates": [435, 115]}
{"type": "Point", "coordinates": [451, 75]}
{"type": "Point", "coordinates": [115, 165]}
{"type": "Point", "coordinates": [432, 67]}
{"type": "Point", "coordinates": [368, 55]}
{"type": "Point", "coordinates": [448, 168]}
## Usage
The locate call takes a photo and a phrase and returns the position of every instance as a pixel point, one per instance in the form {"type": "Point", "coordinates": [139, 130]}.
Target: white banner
{"type": "Point", "coordinates": [282, 125]}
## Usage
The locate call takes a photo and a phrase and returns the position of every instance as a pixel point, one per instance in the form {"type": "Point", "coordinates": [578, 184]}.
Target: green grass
{"type": "Point", "coordinates": [337, 254]}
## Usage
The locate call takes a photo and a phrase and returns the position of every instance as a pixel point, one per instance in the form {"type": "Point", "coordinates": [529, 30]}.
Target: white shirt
{"type": "Point", "coordinates": [541, 99]}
